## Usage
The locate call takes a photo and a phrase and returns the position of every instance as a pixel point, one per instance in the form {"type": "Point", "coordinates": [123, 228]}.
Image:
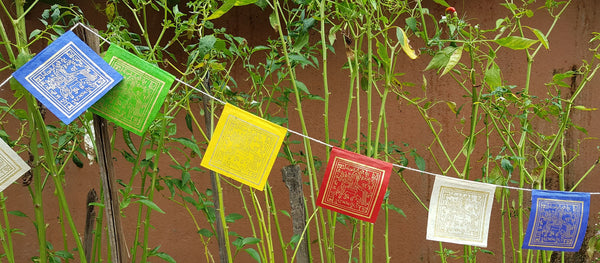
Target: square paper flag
{"type": "Point", "coordinates": [354, 184]}
{"type": "Point", "coordinates": [459, 211]}
{"type": "Point", "coordinates": [244, 147]}
{"type": "Point", "coordinates": [11, 166]}
{"type": "Point", "coordinates": [558, 220]}
{"type": "Point", "coordinates": [133, 103]}
{"type": "Point", "coordinates": [67, 77]}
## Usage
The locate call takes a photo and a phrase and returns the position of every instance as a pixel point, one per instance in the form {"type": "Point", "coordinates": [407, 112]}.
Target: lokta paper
{"type": "Point", "coordinates": [11, 166]}
{"type": "Point", "coordinates": [135, 101]}
{"type": "Point", "coordinates": [354, 185]}
{"type": "Point", "coordinates": [459, 211]}
{"type": "Point", "coordinates": [67, 77]}
{"type": "Point", "coordinates": [243, 147]}
{"type": "Point", "coordinates": [558, 220]}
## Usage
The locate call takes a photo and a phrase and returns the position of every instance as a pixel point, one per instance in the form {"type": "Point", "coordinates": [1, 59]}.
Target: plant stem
{"type": "Point", "coordinates": [307, 147]}
{"type": "Point", "coordinates": [6, 240]}
{"type": "Point", "coordinates": [152, 187]}
{"type": "Point", "coordinates": [40, 222]}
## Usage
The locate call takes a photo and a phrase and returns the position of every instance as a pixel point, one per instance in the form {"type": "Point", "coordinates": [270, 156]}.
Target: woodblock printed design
{"type": "Point", "coordinates": [135, 101]}
{"type": "Point", "coordinates": [459, 211]}
{"type": "Point", "coordinates": [67, 77]}
{"type": "Point", "coordinates": [244, 147]}
{"type": "Point", "coordinates": [558, 220]}
{"type": "Point", "coordinates": [354, 184]}
{"type": "Point", "coordinates": [12, 167]}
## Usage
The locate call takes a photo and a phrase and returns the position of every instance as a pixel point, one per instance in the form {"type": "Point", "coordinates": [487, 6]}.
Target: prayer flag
{"type": "Point", "coordinates": [354, 184]}
{"type": "Point", "coordinates": [67, 77]}
{"type": "Point", "coordinates": [135, 101]}
{"type": "Point", "coordinates": [558, 220]}
{"type": "Point", "coordinates": [244, 147]}
{"type": "Point", "coordinates": [459, 211]}
{"type": "Point", "coordinates": [11, 166]}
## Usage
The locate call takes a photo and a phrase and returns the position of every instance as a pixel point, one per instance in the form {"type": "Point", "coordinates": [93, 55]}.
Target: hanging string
{"type": "Point", "coordinates": [289, 130]}
{"type": "Point", "coordinates": [5, 81]}
{"type": "Point", "coordinates": [176, 79]}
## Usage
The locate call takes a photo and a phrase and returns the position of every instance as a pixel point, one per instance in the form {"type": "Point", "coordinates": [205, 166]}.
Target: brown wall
{"type": "Point", "coordinates": [175, 231]}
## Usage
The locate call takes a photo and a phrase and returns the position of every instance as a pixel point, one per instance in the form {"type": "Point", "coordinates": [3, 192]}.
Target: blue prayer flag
{"type": "Point", "coordinates": [558, 220]}
{"type": "Point", "coordinates": [67, 77]}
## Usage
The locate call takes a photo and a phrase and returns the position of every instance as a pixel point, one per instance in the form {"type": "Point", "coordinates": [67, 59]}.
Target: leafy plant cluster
{"type": "Point", "coordinates": [510, 135]}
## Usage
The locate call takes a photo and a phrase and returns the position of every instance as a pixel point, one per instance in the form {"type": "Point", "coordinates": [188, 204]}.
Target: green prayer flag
{"type": "Point", "coordinates": [135, 101]}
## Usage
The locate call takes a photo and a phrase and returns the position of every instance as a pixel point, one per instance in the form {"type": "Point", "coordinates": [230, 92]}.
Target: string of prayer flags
{"type": "Point", "coordinates": [354, 184]}
{"type": "Point", "coordinates": [67, 77]}
{"type": "Point", "coordinates": [135, 101]}
{"type": "Point", "coordinates": [558, 220]}
{"type": "Point", "coordinates": [243, 147]}
{"type": "Point", "coordinates": [11, 166]}
{"type": "Point", "coordinates": [459, 211]}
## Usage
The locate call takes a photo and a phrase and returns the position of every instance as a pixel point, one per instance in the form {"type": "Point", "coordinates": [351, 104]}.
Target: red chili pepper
{"type": "Point", "coordinates": [450, 10]}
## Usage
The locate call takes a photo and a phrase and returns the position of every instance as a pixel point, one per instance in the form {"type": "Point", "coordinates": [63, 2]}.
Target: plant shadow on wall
{"type": "Point", "coordinates": [510, 136]}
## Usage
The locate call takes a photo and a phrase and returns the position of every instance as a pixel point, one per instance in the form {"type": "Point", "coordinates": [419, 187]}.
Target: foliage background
{"type": "Point", "coordinates": [174, 231]}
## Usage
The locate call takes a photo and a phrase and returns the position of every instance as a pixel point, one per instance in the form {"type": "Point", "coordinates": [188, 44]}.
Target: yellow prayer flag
{"type": "Point", "coordinates": [243, 147]}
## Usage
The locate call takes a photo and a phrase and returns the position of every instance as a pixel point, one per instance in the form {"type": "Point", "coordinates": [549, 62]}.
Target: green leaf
{"type": "Point", "coordinates": [418, 160]}
{"type": "Point", "coordinates": [516, 43]}
{"type": "Point", "coordinates": [277, 120]}
{"type": "Point", "coordinates": [507, 165]}
{"type": "Point", "coordinates": [250, 241]}
{"type": "Point", "coordinates": [559, 77]}
{"type": "Point", "coordinates": [300, 42]}
{"type": "Point", "coordinates": [96, 204]}
{"type": "Point", "coordinates": [441, 2]}
{"type": "Point", "coordinates": [383, 54]}
{"type": "Point", "coordinates": [34, 33]}
{"type": "Point", "coordinates": [411, 22]}
{"type": "Point", "coordinates": [151, 205]}
{"type": "Point", "coordinates": [294, 240]}
{"type": "Point", "coordinates": [76, 160]}
{"type": "Point", "coordinates": [233, 217]}
{"type": "Point", "coordinates": [64, 254]}
{"type": "Point", "coordinates": [302, 87]}
{"type": "Point", "coordinates": [150, 153]}
{"type": "Point", "coordinates": [273, 21]}
{"type": "Point", "coordinates": [440, 59]}
{"type": "Point", "coordinates": [452, 106]}
{"type": "Point", "coordinates": [253, 254]}
{"type": "Point", "coordinates": [453, 60]}
{"type": "Point", "coordinates": [341, 218]}
{"type": "Point", "coordinates": [17, 213]}
{"type": "Point", "coordinates": [222, 10]}
{"type": "Point", "coordinates": [420, 163]}
{"type": "Point", "coordinates": [299, 59]}
{"type": "Point", "coordinates": [467, 151]}
{"type": "Point", "coordinates": [332, 35]}
{"type": "Point", "coordinates": [188, 144]}
{"type": "Point", "coordinates": [492, 76]}
{"type": "Point", "coordinates": [262, 4]}
{"type": "Point", "coordinates": [314, 97]}
{"type": "Point", "coordinates": [188, 122]}
{"type": "Point", "coordinates": [396, 209]}
{"type": "Point", "coordinates": [206, 44]}
{"type": "Point", "coordinates": [541, 37]}
{"type": "Point", "coordinates": [164, 256]}
{"type": "Point", "coordinates": [244, 2]}
{"type": "Point", "coordinates": [205, 232]}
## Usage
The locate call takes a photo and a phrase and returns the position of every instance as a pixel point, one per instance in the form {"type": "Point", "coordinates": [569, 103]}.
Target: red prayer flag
{"type": "Point", "coordinates": [354, 185]}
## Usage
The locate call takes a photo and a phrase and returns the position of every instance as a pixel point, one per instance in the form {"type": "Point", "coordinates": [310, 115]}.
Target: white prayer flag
{"type": "Point", "coordinates": [11, 166]}
{"type": "Point", "coordinates": [459, 211]}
